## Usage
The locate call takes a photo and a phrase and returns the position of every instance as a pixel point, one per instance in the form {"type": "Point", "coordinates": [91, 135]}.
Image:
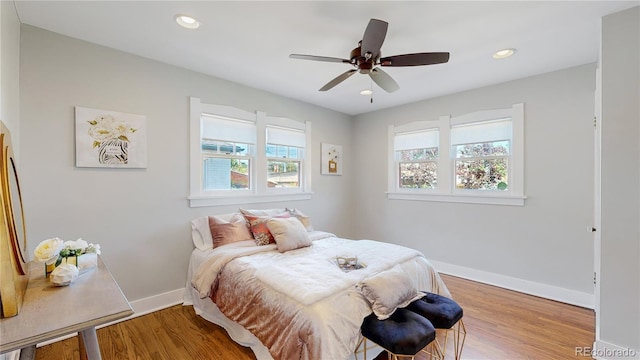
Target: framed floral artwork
{"type": "Point", "coordinates": [331, 159]}
{"type": "Point", "coordinates": [106, 138]}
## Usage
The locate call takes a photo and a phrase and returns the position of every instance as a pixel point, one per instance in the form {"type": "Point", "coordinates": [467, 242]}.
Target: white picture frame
{"type": "Point", "coordinates": [111, 139]}
{"type": "Point", "coordinates": [331, 159]}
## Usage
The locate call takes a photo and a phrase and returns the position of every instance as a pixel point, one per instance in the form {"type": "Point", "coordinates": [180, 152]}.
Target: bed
{"type": "Point", "coordinates": [299, 303]}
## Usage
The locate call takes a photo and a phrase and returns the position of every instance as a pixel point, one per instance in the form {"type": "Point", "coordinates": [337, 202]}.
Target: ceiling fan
{"type": "Point", "coordinates": [366, 58]}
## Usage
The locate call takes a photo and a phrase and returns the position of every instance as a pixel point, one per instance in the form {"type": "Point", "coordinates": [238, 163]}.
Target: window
{"type": "Point", "coordinates": [227, 152]}
{"type": "Point", "coordinates": [240, 157]}
{"type": "Point", "coordinates": [476, 158]}
{"type": "Point", "coordinates": [416, 155]}
{"type": "Point", "coordinates": [286, 141]}
{"type": "Point", "coordinates": [285, 156]}
{"type": "Point", "coordinates": [481, 151]}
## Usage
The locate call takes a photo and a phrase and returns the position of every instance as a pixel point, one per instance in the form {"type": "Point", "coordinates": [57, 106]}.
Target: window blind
{"type": "Point", "coordinates": [480, 132]}
{"type": "Point", "coordinates": [416, 140]}
{"type": "Point", "coordinates": [285, 136]}
{"type": "Point", "coordinates": [226, 129]}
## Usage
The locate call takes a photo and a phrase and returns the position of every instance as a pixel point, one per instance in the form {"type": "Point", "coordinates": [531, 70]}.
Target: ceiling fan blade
{"type": "Point", "coordinates": [415, 59]}
{"type": "Point", "coordinates": [373, 37]}
{"type": "Point", "coordinates": [340, 78]}
{"type": "Point", "coordinates": [318, 58]}
{"type": "Point", "coordinates": [383, 80]}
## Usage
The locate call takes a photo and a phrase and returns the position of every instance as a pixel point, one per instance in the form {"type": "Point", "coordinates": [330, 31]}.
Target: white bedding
{"type": "Point", "coordinates": [314, 285]}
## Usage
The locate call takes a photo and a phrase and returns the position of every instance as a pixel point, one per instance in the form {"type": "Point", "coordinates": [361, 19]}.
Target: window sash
{"type": "Point", "coordinates": [492, 146]}
{"type": "Point", "coordinates": [214, 183]}
{"type": "Point", "coordinates": [486, 179]}
{"type": "Point", "coordinates": [296, 176]}
{"type": "Point", "coordinates": [420, 182]}
{"type": "Point", "coordinates": [211, 146]}
{"type": "Point", "coordinates": [274, 151]}
{"type": "Point", "coordinates": [430, 154]}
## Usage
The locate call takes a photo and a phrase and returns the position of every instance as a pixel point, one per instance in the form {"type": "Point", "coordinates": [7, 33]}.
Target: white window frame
{"type": "Point", "coordinates": [259, 193]}
{"type": "Point", "coordinates": [445, 191]}
{"type": "Point", "coordinates": [394, 168]}
{"type": "Point", "coordinates": [397, 152]}
{"type": "Point", "coordinates": [289, 124]}
{"type": "Point", "coordinates": [230, 115]}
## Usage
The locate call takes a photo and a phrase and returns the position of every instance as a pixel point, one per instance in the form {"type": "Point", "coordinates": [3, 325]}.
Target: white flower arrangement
{"type": "Point", "coordinates": [55, 251]}
{"type": "Point", "coordinates": [105, 127]}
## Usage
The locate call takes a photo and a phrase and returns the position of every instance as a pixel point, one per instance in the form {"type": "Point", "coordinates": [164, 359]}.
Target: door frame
{"type": "Point", "coordinates": [597, 198]}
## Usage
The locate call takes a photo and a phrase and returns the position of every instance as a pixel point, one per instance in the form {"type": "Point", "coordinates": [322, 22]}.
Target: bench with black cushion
{"type": "Point", "coordinates": [443, 313]}
{"type": "Point", "coordinates": [404, 333]}
{"type": "Point", "coordinates": [440, 310]}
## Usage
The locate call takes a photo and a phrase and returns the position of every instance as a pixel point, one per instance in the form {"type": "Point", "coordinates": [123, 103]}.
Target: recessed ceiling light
{"type": "Point", "coordinates": [366, 92]}
{"type": "Point", "coordinates": [504, 53]}
{"type": "Point", "coordinates": [187, 22]}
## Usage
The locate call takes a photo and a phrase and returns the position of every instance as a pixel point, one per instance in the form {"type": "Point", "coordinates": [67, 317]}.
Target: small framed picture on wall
{"type": "Point", "coordinates": [331, 159]}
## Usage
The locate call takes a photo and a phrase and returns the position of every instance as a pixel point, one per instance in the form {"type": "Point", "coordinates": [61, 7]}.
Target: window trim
{"type": "Point", "coordinates": [260, 193]}
{"type": "Point", "coordinates": [393, 172]}
{"type": "Point", "coordinates": [446, 192]}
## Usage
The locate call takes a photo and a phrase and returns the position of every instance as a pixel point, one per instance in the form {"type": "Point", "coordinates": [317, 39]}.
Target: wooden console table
{"type": "Point", "coordinates": [49, 311]}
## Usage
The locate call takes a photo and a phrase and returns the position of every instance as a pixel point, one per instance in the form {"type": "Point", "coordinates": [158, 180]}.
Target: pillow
{"type": "Point", "coordinates": [388, 290]}
{"type": "Point", "coordinates": [259, 229]}
{"type": "Point", "coordinates": [267, 212]}
{"type": "Point", "coordinates": [223, 232]}
{"type": "Point", "coordinates": [304, 219]}
{"type": "Point", "coordinates": [289, 233]}
{"type": "Point", "coordinates": [200, 233]}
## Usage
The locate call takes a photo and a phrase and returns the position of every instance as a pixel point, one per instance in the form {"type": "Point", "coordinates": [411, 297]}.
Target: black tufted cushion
{"type": "Point", "coordinates": [441, 311]}
{"type": "Point", "coordinates": [404, 332]}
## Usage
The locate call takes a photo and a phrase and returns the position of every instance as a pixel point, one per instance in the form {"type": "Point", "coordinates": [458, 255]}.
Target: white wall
{"type": "Point", "coordinates": [620, 261]}
{"type": "Point", "coordinates": [546, 241]}
{"type": "Point", "coordinates": [9, 71]}
{"type": "Point", "coordinates": [140, 216]}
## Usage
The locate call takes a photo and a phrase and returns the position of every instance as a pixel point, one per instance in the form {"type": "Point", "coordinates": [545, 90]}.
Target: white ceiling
{"type": "Point", "coordinates": [249, 42]}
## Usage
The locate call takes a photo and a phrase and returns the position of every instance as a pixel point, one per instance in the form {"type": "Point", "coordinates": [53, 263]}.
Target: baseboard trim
{"type": "Point", "coordinates": [546, 291]}
{"type": "Point", "coordinates": [156, 302]}
{"type": "Point", "coordinates": [140, 307]}
{"type": "Point", "coordinates": [603, 350]}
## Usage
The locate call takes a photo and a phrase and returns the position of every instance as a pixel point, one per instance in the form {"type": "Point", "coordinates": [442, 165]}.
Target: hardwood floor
{"type": "Point", "coordinates": [501, 324]}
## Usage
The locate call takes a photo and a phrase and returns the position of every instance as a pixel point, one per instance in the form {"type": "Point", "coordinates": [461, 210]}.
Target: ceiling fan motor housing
{"type": "Point", "coordinates": [363, 64]}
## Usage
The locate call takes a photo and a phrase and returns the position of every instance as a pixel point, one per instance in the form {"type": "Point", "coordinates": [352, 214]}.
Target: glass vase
{"type": "Point", "coordinates": [48, 268]}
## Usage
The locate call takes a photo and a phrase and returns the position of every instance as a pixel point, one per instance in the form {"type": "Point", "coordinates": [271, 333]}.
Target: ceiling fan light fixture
{"type": "Point", "coordinates": [504, 53]}
{"type": "Point", "coordinates": [366, 92]}
{"type": "Point", "coordinates": [187, 22]}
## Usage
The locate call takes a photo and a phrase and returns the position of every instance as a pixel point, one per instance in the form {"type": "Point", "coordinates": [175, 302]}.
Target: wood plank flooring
{"type": "Point", "coordinates": [501, 324]}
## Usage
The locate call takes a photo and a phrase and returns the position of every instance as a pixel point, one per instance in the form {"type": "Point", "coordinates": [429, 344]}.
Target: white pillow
{"type": "Point", "coordinates": [201, 234]}
{"type": "Point", "coordinates": [304, 219]}
{"type": "Point", "coordinates": [389, 290]}
{"type": "Point", "coordinates": [265, 212]}
{"type": "Point", "coordinates": [289, 233]}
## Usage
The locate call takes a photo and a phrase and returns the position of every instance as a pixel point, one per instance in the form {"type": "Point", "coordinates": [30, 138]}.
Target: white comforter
{"type": "Point", "coordinates": [309, 286]}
